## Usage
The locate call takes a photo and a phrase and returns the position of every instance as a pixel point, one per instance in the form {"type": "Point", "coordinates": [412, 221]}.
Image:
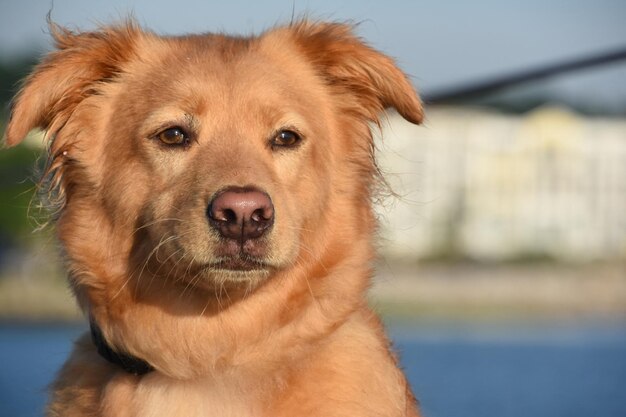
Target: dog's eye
{"type": "Point", "coordinates": [173, 136]}
{"type": "Point", "coordinates": [286, 138]}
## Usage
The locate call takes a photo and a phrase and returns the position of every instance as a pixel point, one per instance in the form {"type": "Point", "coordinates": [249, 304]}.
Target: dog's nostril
{"type": "Point", "coordinates": [228, 216]}
{"type": "Point", "coordinates": [261, 214]}
{"type": "Point", "coordinates": [241, 213]}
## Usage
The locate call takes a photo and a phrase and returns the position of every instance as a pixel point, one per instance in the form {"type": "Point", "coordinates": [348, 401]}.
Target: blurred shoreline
{"type": "Point", "coordinates": [504, 291]}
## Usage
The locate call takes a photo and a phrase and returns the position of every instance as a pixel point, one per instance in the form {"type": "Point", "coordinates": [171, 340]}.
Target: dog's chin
{"type": "Point", "coordinates": [235, 273]}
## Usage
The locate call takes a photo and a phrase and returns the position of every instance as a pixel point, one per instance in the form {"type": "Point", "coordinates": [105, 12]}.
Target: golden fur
{"type": "Point", "coordinates": [291, 338]}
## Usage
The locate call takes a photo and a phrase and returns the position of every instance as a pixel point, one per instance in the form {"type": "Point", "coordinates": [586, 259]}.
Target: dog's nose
{"type": "Point", "coordinates": [241, 213]}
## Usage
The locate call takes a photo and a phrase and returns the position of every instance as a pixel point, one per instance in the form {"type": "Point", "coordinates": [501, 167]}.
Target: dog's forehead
{"type": "Point", "coordinates": [217, 46]}
{"type": "Point", "coordinates": [219, 71]}
{"type": "Point", "coordinates": [223, 60]}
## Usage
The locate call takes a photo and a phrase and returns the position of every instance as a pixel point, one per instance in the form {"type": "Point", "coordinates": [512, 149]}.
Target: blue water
{"type": "Point", "coordinates": [456, 371]}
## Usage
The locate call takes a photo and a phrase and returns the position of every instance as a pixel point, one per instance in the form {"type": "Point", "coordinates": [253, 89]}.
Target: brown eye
{"type": "Point", "coordinates": [286, 138]}
{"type": "Point", "coordinates": [174, 136]}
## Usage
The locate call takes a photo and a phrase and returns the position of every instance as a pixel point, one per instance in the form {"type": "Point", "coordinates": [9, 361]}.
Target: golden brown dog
{"type": "Point", "coordinates": [215, 214]}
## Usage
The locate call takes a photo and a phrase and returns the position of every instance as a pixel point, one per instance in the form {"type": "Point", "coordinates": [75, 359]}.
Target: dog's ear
{"type": "Point", "coordinates": [66, 76]}
{"type": "Point", "coordinates": [347, 63]}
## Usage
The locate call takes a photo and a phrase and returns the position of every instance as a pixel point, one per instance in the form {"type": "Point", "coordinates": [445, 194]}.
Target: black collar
{"type": "Point", "coordinates": [127, 362]}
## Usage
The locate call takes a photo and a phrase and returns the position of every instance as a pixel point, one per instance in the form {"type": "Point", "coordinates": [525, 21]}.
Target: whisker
{"type": "Point", "coordinates": [143, 226]}
{"type": "Point", "coordinates": [167, 259]}
{"type": "Point", "coordinates": [298, 228]}
{"type": "Point", "coordinates": [163, 241]}
{"type": "Point", "coordinates": [191, 283]}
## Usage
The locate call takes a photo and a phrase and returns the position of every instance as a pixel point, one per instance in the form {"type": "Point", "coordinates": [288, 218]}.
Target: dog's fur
{"type": "Point", "coordinates": [290, 335]}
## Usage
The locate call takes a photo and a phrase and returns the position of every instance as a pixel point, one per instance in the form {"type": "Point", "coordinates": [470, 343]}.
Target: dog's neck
{"type": "Point", "coordinates": [299, 307]}
{"type": "Point", "coordinates": [129, 363]}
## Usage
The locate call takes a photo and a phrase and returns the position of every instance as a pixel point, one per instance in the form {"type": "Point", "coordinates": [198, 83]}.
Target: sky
{"type": "Point", "coordinates": [439, 43]}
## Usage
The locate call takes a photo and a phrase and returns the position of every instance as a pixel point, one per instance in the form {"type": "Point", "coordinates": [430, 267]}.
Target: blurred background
{"type": "Point", "coordinates": [503, 256]}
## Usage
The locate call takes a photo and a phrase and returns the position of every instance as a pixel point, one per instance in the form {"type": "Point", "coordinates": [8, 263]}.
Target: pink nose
{"type": "Point", "coordinates": [241, 213]}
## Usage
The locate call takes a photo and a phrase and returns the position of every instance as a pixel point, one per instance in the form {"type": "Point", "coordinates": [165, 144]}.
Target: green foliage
{"type": "Point", "coordinates": [11, 73]}
{"type": "Point", "coordinates": [16, 191]}
{"type": "Point", "coordinates": [16, 164]}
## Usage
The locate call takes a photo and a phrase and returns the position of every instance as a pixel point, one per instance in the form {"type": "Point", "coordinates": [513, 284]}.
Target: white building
{"type": "Point", "coordinates": [490, 186]}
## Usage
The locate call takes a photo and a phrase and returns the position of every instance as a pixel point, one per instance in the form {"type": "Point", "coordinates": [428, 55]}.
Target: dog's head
{"type": "Point", "coordinates": [207, 158]}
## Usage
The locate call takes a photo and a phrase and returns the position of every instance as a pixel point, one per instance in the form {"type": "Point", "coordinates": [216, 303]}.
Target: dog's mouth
{"type": "Point", "coordinates": [239, 264]}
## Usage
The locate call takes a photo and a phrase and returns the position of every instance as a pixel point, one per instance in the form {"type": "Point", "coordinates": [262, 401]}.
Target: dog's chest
{"type": "Point", "coordinates": [157, 396]}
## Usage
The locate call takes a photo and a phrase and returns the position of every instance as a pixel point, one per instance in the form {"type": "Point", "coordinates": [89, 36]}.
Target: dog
{"type": "Point", "coordinates": [214, 208]}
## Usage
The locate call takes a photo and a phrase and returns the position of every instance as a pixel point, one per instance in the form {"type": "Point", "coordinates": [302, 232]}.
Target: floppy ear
{"type": "Point", "coordinates": [66, 76]}
{"type": "Point", "coordinates": [347, 63]}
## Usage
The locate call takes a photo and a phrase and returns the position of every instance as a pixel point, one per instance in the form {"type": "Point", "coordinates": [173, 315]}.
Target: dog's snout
{"type": "Point", "coordinates": [241, 213]}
